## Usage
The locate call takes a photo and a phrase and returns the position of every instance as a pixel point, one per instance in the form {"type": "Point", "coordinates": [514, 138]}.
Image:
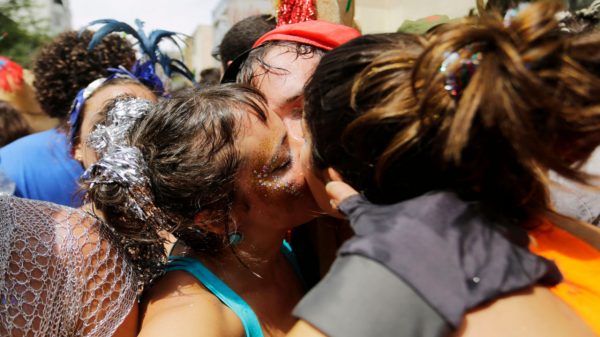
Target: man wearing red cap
{"type": "Point", "coordinates": [281, 62]}
{"type": "Point", "coordinates": [279, 65]}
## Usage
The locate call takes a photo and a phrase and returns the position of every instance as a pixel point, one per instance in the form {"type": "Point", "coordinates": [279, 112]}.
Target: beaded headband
{"type": "Point", "coordinates": [88, 91]}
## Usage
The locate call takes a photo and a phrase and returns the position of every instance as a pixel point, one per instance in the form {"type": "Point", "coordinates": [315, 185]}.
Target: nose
{"type": "Point", "coordinates": [295, 136]}
{"type": "Point", "coordinates": [293, 127]}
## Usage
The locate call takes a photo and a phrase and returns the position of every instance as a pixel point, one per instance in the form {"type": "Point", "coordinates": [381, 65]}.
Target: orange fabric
{"type": "Point", "coordinates": [580, 265]}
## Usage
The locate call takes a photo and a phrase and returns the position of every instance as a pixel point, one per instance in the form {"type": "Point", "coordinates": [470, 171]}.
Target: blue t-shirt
{"type": "Point", "coordinates": [42, 169]}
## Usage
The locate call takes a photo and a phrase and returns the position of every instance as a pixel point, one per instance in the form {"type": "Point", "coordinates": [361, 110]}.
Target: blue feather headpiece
{"type": "Point", "coordinates": [152, 55]}
{"type": "Point", "coordinates": [144, 69]}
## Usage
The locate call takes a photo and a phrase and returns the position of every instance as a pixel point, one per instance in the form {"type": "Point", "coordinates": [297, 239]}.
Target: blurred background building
{"type": "Point", "coordinates": [212, 18]}
{"type": "Point", "coordinates": [206, 38]}
{"type": "Point", "coordinates": [377, 16]}
{"type": "Point", "coordinates": [373, 16]}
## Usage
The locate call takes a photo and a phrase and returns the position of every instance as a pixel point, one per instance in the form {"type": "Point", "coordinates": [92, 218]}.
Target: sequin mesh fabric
{"type": "Point", "coordinates": [60, 273]}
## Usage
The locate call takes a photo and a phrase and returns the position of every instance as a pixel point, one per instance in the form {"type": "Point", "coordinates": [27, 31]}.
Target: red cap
{"type": "Point", "coordinates": [321, 34]}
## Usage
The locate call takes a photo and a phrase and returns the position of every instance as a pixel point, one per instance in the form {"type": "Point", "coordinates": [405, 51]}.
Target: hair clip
{"type": "Point", "coordinates": [458, 67]}
{"type": "Point", "coordinates": [77, 106]}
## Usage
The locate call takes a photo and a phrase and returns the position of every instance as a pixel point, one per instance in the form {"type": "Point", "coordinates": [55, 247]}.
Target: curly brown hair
{"type": "Point", "coordinates": [65, 65]}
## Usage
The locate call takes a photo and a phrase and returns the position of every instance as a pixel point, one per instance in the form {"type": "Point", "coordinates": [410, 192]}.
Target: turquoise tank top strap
{"type": "Point", "coordinates": [287, 251]}
{"type": "Point", "coordinates": [221, 290]}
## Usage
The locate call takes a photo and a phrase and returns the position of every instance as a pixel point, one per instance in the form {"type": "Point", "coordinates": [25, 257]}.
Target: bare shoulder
{"type": "Point", "coordinates": [533, 312]}
{"type": "Point", "coordinates": [304, 329]}
{"type": "Point", "coordinates": [178, 305]}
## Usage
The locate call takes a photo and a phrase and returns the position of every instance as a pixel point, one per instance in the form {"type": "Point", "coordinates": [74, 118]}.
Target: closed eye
{"type": "Point", "coordinates": [283, 157]}
{"type": "Point", "coordinates": [285, 164]}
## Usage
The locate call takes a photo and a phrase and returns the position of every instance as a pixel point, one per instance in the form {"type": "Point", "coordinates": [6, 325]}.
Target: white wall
{"type": "Point", "coordinates": [228, 12]}
{"type": "Point", "coordinates": [206, 38]}
{"type": "Point", "coordinates": [199, 48]}
{"type": "Point", "coordinates": [378, 16]}
{"type": "Point", "coordinates": [374, 16]}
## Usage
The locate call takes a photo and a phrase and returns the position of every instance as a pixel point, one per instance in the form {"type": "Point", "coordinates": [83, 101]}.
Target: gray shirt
{"type": "Point", "coordinates": [425, 263]}
{"type": "Point", "coordinates": [361, 297]}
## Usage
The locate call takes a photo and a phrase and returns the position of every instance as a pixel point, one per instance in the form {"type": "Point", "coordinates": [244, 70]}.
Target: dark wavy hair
{"type": "Point", "coordinates": [328, 107]}
{"type": "Point", "coordinates": [12, 124]}
{"type": "Point", "coordinates": [65, 65]}
{"type": "Point", "coordinates": [255, 65]}
{"type": "Point", "coordinates": [188, 145]}
{"type": "Point", "coordinates": [532, 105]}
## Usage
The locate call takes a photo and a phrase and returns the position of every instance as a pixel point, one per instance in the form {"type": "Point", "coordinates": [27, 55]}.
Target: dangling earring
{"type": "Point", "coordinates": [235, 238]}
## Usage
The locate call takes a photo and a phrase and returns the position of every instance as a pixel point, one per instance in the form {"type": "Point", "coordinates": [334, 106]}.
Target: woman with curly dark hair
{"type": "Point", "coordinates": [40, 164]}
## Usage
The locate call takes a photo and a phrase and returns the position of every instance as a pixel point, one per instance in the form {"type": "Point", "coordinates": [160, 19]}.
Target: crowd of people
{"type": "Point", "coordinates": [321, 183]}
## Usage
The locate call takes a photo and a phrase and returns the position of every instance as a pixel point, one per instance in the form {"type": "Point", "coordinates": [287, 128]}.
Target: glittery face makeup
{"type": "Point", "coordinates": [271, 189]}
{"type": "Point", "coordinates": [271, 165]}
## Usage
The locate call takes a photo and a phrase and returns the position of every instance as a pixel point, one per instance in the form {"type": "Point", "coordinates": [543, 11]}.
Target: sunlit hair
{"type": "Point", "coordinates": [255, 65]}
{"type": "Point", "coordinates": [532, 105]}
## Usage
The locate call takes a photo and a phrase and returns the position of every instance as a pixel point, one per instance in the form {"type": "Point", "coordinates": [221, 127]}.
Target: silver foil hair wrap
{"type": "Point", "coordinates": [119, 181]}
{"type": "Point", "coordinates": [123, 165]}
{"type": "Point", "coordinates": [119, 120]}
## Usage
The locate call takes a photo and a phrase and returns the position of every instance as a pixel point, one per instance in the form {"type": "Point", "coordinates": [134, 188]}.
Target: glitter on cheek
{"type": "Point", "coordinates": [270, 184]}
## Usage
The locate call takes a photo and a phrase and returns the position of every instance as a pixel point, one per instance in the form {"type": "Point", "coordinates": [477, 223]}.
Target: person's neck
{"type": "Point", "coordinates": [257, 256]}
{"type": "Point", "coordinates": [262, 245]}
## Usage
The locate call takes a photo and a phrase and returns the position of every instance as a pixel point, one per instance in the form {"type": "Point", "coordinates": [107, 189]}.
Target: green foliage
{"type": "Point", "coordinates": [20, 34]}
